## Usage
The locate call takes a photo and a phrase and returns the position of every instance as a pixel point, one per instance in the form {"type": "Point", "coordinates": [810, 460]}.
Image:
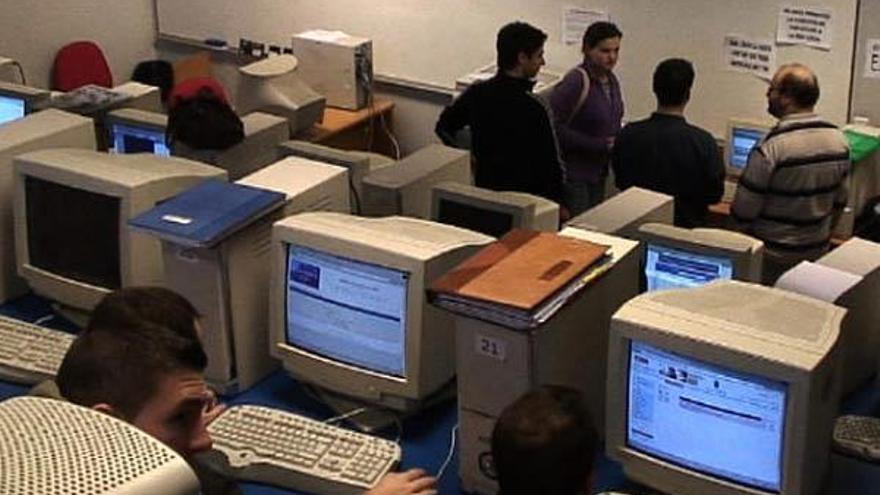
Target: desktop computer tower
{"type": "Point", "coordinates": [336, 65]}
{"type": "Point", "coordinates": [497, 365]}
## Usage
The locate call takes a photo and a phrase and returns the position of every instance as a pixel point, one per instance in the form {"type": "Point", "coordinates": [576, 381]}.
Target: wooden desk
{"type": "Point", "coordinates": [351, 129]}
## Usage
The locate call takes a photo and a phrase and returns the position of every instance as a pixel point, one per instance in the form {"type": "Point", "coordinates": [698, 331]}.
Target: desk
{"type": "Point", "coordinates": [351, 129]}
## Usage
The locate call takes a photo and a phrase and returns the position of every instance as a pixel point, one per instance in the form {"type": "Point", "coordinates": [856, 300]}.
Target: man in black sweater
{"type": "Point", "coordinates": [514, 145]}
{"type": "Point", "coordinates": [666, 154]}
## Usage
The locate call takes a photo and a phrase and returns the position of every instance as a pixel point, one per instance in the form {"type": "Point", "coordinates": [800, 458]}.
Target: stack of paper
{"type": "Point", "coordinates": [522, 280]}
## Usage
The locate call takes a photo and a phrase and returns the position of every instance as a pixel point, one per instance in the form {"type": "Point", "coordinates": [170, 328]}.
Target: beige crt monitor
{"type": "Point", "coordinates": [676, 257]}
{"type": "Point", "coordinates": [72, 207]}
{"type": "Point", "coordinates": [262, 134]}
{"type": "Point", "coordinates": [131, 130]}
{"type": "Point", "coordinates": [50, 446]}
{"type": "Point", "coordinates": [405, 189]}
{"type": "Point", "coordinates": [47, 129]}
{"type": "Point", "coordinates": [729, 388]}
{"type": "Point", "coordinates": [229, 283]}
{"type": "Point", "coordinates": [742, 137]}
{"type": "Point", "coordinates": [358, 163]}
{"type": "Point", "coordinates": [273, 85]}
{"type": "Point", "coordinates": [348, 307]}
{"type": "Point", "coordinates": [622, 213]}
{"type": "Point", "coordinates": [491, 212]}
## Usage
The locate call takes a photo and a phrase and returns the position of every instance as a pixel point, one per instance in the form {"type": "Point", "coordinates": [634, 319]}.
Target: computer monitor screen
{"type": "Point", "coordinates": [669, 268]}
{"type": "Point", "coordinates": [134, 139]}
{"type": "Point", "coordinates": [73, 233]}
{"type": "Point", "coordinates": [742, 140]}
{"type": "Point", "coordinates": [11, 108]}
{"type": "Point", "coordinates": [705, 417]}
{"type": "Point", "coordinates": [347, 310]}
{"type": "Point", "coordinates": [484, 221]}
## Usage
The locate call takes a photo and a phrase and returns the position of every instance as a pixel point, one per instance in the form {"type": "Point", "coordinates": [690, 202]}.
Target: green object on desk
{"type": "Point", "coordinates": [861, 145]}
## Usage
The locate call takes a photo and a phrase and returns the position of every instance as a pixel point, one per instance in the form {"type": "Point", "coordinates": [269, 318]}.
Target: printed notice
{"type": "Point", "coordinates": [576, 20]}
{"type": "Point", "coordinates": [756, 57]}
{"type": "Point", "coordinates": [809, 26]}
{"type": "Point", "coordinates": [872, 59]}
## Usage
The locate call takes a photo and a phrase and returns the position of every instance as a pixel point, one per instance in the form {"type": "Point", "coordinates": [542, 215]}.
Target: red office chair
{"type": "Point", "coordinates": [80, 63]}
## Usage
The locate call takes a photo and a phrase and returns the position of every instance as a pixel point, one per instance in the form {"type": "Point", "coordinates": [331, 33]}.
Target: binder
{"type": "Point", "coordinates": [207, 213]}
{"type": "Point", "coordinates": [521, 280]}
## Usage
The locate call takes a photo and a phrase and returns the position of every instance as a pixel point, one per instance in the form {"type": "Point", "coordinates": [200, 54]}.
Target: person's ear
{"type": "Point", "coordinates": [105, 408]}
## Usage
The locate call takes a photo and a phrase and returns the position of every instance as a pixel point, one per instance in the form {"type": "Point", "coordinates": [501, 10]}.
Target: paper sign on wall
{"type": "Point", "coordinates": [576, 20]}
{"type": "Point", "coordinates": [872, 59]}
{"type": "Point", "coordinates": [753, 56]}
{"type": "Point", "coordinates": [809, 26]}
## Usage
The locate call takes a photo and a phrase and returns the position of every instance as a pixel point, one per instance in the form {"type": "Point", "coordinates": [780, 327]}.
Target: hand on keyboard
{"type": "Point", "coordinates": [412, 482]}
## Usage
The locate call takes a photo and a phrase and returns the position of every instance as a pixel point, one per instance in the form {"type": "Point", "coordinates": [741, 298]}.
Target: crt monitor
{"type": "Point", "coordinates": [271, 85]}
{"type": "Point", "coordinates": [405, 189]}
{"type": "Point", "coordinates": [16, 101]}
{"type": "Point", "coordinates": [490, 212]}
{"type": "Point", "coordinates": [348, 308]}
{"type": "Point", "coordinates": [742, 137]}
{"type": "Point", "coordinates": [623, 213]}
{"type": "Point", "coordinates": [49, 128]}
{"type": "Point", "coordinates": [728, 388]}
{"type": "Point", "coordinates": [676, 257]}
{"type": "Point", "coordinates": [71, 208]}
{"type": "Point", "coordinates": [137, 131]}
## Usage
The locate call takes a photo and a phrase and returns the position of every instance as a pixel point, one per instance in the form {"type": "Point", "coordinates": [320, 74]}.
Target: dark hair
{"type": "Point", "coordinates": [515, 38]}
{"type": "Point", "coordinates": [673, 79]}
{"type": "Point", "coordinates": [598, 31]}
{"type": "Point", "coordinates": [125, 352]}
{"type": "Point", "coordinates": [545, 443]}
{"type": "Point", "coordinates": [156, 305]}
{"type": "Point", "coordinates": [158, 73]}
{"type": "Point", "coordinates": [204, 122]}
{"type": "Point", "coordinates": [800, 84]}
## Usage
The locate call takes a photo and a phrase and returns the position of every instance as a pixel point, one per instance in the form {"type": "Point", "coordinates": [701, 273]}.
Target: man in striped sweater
{"type": "Point", "coordinates": [793, 188]}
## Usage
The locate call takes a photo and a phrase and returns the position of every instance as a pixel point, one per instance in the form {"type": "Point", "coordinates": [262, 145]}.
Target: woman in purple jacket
{"type": "Point", "coordinates": [588, 108]}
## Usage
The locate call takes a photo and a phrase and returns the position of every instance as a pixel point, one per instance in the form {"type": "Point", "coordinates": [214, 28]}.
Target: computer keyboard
{"type": "Point", "coordinates": [29, 353]}
{"type": "Point", "coordinates": [291, 451]}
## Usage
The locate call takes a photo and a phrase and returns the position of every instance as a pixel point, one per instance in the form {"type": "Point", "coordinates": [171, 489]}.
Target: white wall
{"type": "Point", "coordinates": [32, 31]}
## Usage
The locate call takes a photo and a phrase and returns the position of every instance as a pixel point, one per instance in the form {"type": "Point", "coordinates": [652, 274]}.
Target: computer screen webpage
{"type": "Point", "coordinates": [11, 109]}
{"type": "Point", "coordinates": [744, 139]}
{"type": "Point", "coordinates": [347, 310]}
{"type": "Point", "coordinates": [705, 417]}
{"type": "Point", "coordinates": [488, 222]}
{"type": "Point", "coordinates": [130, 139]}
{"type": "Point", "coordinates": [668, 268]}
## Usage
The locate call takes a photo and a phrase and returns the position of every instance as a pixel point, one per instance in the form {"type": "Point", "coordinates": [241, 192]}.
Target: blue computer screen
{"type": "Point", "coordinates": [668, 268]}
{"type": "Point", "coordinates": [744, 139]}
{"type": "Point", "coordinates": [705, 417]}
{"type": "Point", "coordinates": [132, 139]}
{"type": "Point", "coordinates": [347, 310]}
{"type": "Point", "coordinates": [11, 108]}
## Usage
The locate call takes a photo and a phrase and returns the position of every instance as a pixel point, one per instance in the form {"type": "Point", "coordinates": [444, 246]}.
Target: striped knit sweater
{"type": "Point", "coordinates": [793, 187]}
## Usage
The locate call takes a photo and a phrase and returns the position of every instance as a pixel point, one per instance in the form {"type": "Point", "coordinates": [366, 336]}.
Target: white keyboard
{"type": "Point", "coordinates": [29, 353]}
{"type": "Point", "coordinates": [295, 452]}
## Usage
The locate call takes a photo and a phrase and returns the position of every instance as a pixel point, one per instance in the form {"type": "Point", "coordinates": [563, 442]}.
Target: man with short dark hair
{"type": "Point", "coordinates": [665, 153]}
{"type": "Point", "coordinates": [141, 359]}
{"type": "Point", "coordinates": [793, 188]}
{"type": "Point", "coordinates": [545, 443]}
{"type": "Point", "coordinates": [514, 145]}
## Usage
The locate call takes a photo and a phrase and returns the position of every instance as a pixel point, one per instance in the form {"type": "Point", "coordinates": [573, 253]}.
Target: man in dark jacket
{"type": "Point", "coordinates": [514, 144]}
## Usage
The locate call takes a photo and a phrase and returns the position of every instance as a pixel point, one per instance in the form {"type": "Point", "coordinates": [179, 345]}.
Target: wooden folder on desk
{"type": "Point", "coordinates": [521, 270]}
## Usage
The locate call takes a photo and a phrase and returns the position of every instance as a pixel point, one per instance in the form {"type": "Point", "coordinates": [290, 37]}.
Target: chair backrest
{"type": "Point", "coordinates": [80, 63]}
{"type": "Point", "coordinates": [159, 73]}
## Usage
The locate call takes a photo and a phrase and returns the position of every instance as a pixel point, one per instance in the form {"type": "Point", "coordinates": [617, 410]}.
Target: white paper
{"type": "Point", "coordinates": [872, 58]}
{"type": "Point", "coordinates": [809, 26]}
{"type": "Point", "coordinates": [324, 35]}
{"type": "Point", "coordinates": [576, 20]}
{"type": "Point", "coordinates": [817, 281]}
{"type": "Point", "coordinates": [753, 56]}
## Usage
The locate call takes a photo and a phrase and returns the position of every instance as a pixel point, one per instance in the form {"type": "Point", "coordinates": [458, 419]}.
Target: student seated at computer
{"type": "Point", "coordinates": [545, 442]}
{"type": "Point", "coordinates": [201, 122]}
{"type": "Point", "coordinates": [140, 359]}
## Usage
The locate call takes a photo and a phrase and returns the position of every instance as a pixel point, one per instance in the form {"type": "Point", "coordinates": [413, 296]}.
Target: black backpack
{"type": "Point", "coordinates": [204, 122]}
